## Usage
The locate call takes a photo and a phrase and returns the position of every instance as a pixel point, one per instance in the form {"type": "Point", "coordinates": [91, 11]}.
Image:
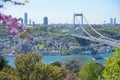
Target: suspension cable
{"type": "Point", "coordinates": [98, 32]}
{"type": "Point", "coordinates": [93, 28]}
{"type": "Point", "coordinates": [85, 30]}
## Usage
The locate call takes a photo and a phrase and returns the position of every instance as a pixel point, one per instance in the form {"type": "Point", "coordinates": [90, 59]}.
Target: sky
{"type": "Point", "coordinates": [62, 11]}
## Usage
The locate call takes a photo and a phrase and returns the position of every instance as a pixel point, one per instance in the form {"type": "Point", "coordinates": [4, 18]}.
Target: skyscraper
{"type": "Point", "coordinates": [29, 21]}
{"type": "Point", "coordinates": [21, 19]}
{"type": "Point", "coordinates": [45, 21]}
{"type": "Point", "coordinates": [25, 18]}
{"type": "Point", "coordinates": [114, 20]}
{"type": "Point", "coordinates": [111, 20]}
{"type": "Point", "coordinates": [33, 22]}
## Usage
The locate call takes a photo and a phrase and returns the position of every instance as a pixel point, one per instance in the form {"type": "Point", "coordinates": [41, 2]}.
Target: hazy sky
{"type": "Point", "coordinates": [61, 11]}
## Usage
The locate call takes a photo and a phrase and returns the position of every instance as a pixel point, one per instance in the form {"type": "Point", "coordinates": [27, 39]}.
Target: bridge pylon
{"type": "Point", "coordinates": [77, 15]}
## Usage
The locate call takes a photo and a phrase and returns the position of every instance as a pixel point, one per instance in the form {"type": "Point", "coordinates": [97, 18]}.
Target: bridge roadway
{"type": "Point", "coordinates": [107, 41]}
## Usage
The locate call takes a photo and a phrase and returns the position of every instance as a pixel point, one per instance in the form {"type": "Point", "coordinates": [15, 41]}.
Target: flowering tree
{"type": "Point", "coordinates": [15, 28]}
{"type": "Point", "coordinates": [11, 22]}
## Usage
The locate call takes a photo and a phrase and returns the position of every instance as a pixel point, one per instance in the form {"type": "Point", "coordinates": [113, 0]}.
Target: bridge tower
{"type": "Point", "coordinates": [74, 19]}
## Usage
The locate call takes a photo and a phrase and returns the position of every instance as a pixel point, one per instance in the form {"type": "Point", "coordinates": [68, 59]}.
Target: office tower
{"type": "Point", "coordinates": [33, 22]}
{"type": "Point", "coordinates": [45, 21]}
{"type": "Point", "coordinates": [21, 19]}
{"type": "Point", "coordinates": [30, 21]}
{"type": "Point", "coordinates": [25, 18]}
{"type": "Point", "coordinates": [111, 20]}
{"type": "Point", "coordinates": [114, 20]}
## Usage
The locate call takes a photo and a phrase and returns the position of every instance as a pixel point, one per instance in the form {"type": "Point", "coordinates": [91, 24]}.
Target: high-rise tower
{"type": "Point", "coordinates": [111, 20]}
{"type": "Point", "coordinates": [29, 21]}
{"type": "Point", "coordinates": [114, 20]}
{"type": "Point", "coordinates": [45, 21]}
{"type": "Point", "coordinates": [25, 18]}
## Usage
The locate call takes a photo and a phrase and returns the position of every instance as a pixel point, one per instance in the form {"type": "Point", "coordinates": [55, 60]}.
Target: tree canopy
{"type": "Point", "coordinates": [30, 67]}
{"type": "Point", "coordinates": [3, 62]}
{"type": "Point", "coordinates": [112, 67]}
{"type": "Point", "coordinates": [91, 71]}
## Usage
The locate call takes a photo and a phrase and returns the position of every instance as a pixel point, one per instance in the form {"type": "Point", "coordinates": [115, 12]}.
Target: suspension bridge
{"type": "Point", "coordinates": [15, 43]}
{"type": "Point", "coordinates": [102, 39]}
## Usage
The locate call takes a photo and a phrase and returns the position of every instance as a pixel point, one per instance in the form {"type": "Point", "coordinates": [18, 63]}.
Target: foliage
{"type": "Point", "coordinates": [30, 29]}
{"type": "Point", "coordinates": [24, 35]}
{"type": "Point", "coordinates": [66, 51]}
{"type": "Point", "coordinates": [10, 70]}
{"type": "Point", "coordinates": [30, 67]}
{"type": "Point", "coordinates": [67, 38]}
{"type": "Point", "coordinates": [91, 71]}
{"type": "Point", "coordinates": [74, 64]}
{"type": "Point", "coordinates": [110, 31]}
{"type": "Point", "coordinates": [107, 30]}
{"type": "Point", "coordinates": [3, 62]}
{"type": "Point", "coordinates": [48, 72]}
{"type": "Point", "coordinates": [112, 67]}
{"type": "Point", "coordinates": [5, 76]}
{"type": "Point", "coordinates": [71, 76]}
{"type": "Point", "coordinates": [58, 64]}
{"type": "Point", "coordinates": [25, 64]}
{"type": "Point", "coordinates": [12, 24]}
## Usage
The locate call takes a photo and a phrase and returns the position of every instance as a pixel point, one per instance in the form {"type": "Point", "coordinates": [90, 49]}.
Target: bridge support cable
{"type": "Point", "coordinates": [85, 30]}
{"type": "Point", "coordinates": [98, 32]}
{"type": "Point", "coordinates": [93, 28]}
{"type": "Point", "coordinates": [101, 39]}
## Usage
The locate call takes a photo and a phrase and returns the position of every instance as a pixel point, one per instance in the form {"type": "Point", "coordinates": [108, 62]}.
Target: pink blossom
{"type": "Point", "coordinates": [12, 24]}
{"type": "Point", "coordinates": [13, 31]}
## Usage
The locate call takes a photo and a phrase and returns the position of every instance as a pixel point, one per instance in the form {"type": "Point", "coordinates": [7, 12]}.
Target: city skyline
{"type": "Point", "coordinates": [96, 11]}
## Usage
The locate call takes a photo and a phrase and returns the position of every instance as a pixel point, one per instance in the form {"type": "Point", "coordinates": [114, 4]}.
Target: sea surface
{"type": "Point", "coordinates": [63, 58]}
